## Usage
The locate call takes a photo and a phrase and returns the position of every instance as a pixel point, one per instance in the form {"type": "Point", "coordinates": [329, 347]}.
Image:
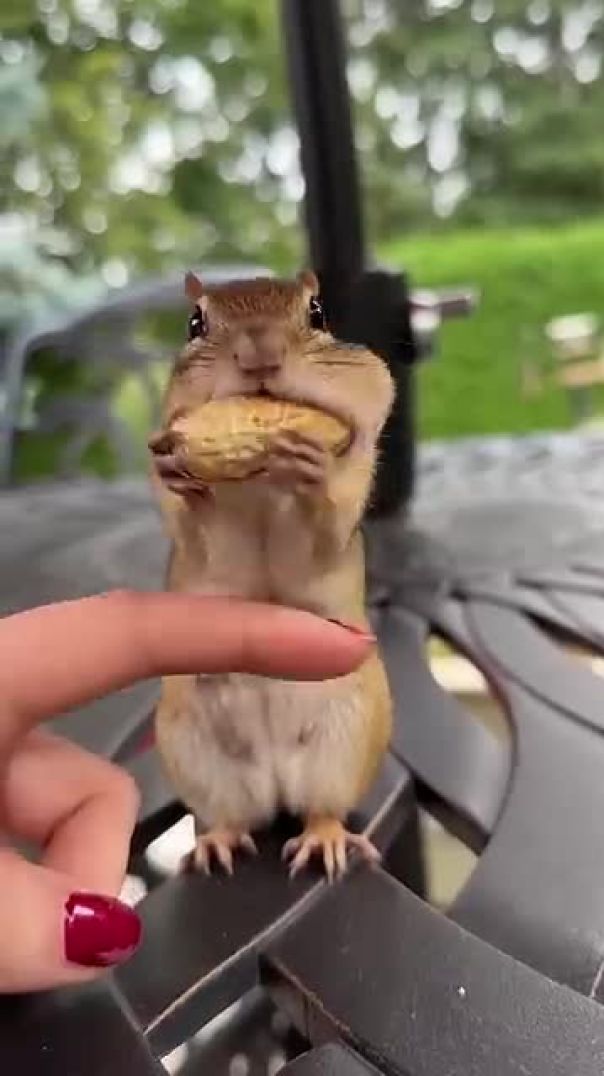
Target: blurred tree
{"type": "Point", "coordinates": [146, 133]}
{"type": "Point", "coordinates": [34, 284]}
{"type": "Point", "coordinates": [136, 133]}
{"type": "Point", "coordinates": [478, 111]}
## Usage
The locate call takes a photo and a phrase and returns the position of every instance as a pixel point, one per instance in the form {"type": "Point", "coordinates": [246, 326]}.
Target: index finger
{"type": "Point", "coordinates": [60, 656]}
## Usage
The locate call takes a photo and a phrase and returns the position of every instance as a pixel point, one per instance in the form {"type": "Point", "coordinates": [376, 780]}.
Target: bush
{"type": "Point", "coordinates": [473, 385]}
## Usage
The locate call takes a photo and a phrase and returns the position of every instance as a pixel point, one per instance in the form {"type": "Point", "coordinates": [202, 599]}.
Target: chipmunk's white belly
{"type": "Point", "coordinates": [243, 747]}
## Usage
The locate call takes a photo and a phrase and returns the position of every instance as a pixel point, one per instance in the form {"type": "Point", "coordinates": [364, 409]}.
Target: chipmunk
{"type": "Point", "coordinates": [239, 748]}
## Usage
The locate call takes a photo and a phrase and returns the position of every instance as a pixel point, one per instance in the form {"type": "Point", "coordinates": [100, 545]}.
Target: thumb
{"type": "Point", "coordinates": [52, 936]}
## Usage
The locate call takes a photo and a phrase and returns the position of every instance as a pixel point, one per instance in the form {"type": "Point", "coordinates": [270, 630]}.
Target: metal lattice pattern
{"type": "Point", "coordinates": [367, 962]}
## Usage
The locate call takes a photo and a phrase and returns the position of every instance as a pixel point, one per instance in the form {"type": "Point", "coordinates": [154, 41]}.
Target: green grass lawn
{"type": "Point", "coordinates": [473, 384]}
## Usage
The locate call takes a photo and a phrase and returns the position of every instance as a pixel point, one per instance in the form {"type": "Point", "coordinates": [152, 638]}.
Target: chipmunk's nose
{"type": "Point", "coordinates": [260, 351]}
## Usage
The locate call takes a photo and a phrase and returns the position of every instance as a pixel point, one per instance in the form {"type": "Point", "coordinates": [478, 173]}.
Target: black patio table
{"type": "Point", "coordinates": [363, 976]}
{"type": "Point", "coordinates": [510, 980]}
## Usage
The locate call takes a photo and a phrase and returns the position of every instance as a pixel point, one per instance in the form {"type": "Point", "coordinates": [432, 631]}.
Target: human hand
{"type": "Point", "coordinates": [60, 921]}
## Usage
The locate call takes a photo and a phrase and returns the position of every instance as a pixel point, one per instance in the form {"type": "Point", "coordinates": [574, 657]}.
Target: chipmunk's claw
{"type": "Point", "coordinates": [329, 838]}
{"type": "Point", "coordinates": [221, 844]}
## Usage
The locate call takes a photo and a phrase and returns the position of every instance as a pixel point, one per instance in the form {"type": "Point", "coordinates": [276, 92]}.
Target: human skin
{"type": "Point", "coordinates": [60, 921]}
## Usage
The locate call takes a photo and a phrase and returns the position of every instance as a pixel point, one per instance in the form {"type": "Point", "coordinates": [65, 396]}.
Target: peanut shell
{"type": "Point", "coordinates": [229, 439]}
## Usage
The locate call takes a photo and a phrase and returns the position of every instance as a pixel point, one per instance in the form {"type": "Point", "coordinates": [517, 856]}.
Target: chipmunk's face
{"type": "Point", "coordinates": [269, 337]}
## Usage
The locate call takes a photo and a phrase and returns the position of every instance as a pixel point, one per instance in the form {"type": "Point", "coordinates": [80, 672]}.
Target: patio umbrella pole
{"type": "Point", "coordinates": [364, 304]}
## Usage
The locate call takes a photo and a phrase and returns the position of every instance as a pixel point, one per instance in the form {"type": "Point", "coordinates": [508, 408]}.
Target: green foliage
{"type": "Point", "coordinates": [35, 287]}
{"type": "Point", "coordinates": [474, 384]}
{"type": "Point", "coordinates": [154, 133]}
{"type": "Point", "coordinates": [146, 135]}
{"type": "Point", "coordinates": [477, 111]}
{"type": "Point", "coordinates": [144, 131]}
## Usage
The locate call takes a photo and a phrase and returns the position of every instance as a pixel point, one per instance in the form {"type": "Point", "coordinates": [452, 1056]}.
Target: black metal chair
{"type": "Point", "coordinates": [510, 979]}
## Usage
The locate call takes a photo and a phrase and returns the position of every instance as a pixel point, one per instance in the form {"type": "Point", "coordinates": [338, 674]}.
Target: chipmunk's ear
{"type": "Point", "coordinates": [309, 282]}
{"type": "Point", "coordinates": [193, 287]}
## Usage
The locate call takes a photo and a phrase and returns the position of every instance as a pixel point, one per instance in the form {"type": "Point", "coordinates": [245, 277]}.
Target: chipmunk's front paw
{"type": "Point", "coordinates": [297, 461]}
{"type": "Point", "coordinates": [169, 468]}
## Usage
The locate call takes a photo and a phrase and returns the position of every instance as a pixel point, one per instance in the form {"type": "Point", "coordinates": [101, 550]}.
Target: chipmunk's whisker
{"type": "Point", "coordinates": [334, 362]}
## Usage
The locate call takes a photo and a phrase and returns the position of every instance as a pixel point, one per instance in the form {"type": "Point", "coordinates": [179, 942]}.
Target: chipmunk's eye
{"type": "Point", "coordinates": [316, 313]}
{"type": "Point", "coordinates": [198, 324]}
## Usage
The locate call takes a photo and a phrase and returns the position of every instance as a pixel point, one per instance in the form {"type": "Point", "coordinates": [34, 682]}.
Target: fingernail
{"type": "Point", "coordinates": [354, 628]}
{"type": "Point", "coordinates": [99, 931]}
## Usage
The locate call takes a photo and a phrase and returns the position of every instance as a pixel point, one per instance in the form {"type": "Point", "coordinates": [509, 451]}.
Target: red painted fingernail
{"type": "Point", "coordinates": [99, 931]}
{"type": "Point", "coordinates": [354, 628]}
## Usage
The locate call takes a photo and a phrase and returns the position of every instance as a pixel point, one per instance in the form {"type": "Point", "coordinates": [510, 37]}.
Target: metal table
{"type": "Point", "coordinates": [511, 977]}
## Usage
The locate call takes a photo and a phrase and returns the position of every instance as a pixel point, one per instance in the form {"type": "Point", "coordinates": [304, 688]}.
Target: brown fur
{"type": "Point", "coordinates": [313, 748]}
